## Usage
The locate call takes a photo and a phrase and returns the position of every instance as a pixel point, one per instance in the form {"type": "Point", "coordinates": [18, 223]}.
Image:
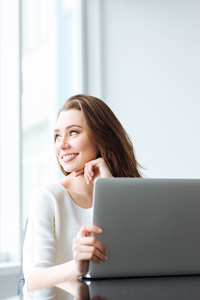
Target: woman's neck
{"type": "Point", "coordinates": [79, 190]}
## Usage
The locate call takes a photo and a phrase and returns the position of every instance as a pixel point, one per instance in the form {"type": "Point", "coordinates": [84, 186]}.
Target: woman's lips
{"type": "Point", "coordinates": [69, 157]}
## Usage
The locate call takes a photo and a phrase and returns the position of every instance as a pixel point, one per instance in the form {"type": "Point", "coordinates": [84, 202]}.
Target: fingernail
{"type": "Point", "coordinates": [105, 258]}
{"type": "Point", "coordinates": [99, 230]}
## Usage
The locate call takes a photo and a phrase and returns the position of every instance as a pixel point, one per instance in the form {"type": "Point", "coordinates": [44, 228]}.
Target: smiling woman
{"type": "Point", "coordinates": [73, 144]}
{"type": "Point", "coordinates": [90, 142]}
{"type": "Point", "coordinates": [107, 133]}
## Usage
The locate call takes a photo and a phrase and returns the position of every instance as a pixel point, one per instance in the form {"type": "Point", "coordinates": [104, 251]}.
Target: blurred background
{"type": "Point", "coordinates": [140, 57]}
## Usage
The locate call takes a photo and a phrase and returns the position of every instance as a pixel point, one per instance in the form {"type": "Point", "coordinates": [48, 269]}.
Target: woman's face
{"type": "Point", "coordinates": [73, 144]}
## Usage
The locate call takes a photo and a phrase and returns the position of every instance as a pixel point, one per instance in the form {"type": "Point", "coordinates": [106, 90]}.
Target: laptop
{"type": "Point", "coordinates": [151, 227]}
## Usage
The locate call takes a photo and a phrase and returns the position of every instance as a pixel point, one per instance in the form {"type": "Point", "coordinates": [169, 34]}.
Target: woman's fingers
{"type": "Point", "coordinates": [88, 247]}
{"type": "Point", "coordinates": [79, 172]}
{"type": "Point", "coordinates": [87, 256]}
{"type": "Point", "coordinates": [92, 170]}
{"type": "Point", "coordinates": [89, 253]}
{"type": "Point", "coordinates": [96, 168]}
{"type": "Point", "coordinates": [91, 241]}
{"type": "Point", "coordinates": [87, 229]}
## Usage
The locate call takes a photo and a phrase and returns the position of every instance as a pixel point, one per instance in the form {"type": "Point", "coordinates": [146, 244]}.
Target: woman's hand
{"type": "Point", "coordinates": [87, 247]}
{"type": "Point", "coordinates": [96, 168]}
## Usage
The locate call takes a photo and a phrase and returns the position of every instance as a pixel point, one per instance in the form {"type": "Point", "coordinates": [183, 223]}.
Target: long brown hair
{"type": "Point", "coordinates": [114, 144]}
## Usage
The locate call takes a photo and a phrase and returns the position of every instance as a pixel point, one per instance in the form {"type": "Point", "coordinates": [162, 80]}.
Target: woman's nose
{"type": "Point", "coordinates": [64, 144]}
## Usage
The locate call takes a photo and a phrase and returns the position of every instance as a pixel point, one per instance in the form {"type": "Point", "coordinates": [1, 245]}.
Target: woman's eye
{"type": "Point", "coordinates": [73, 132]}
{"type": "Point", "coordinates": [57, 137]}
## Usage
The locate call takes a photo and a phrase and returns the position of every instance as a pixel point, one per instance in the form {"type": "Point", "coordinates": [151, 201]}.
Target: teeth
{"type": "Point", "coordinates": [70, 155]}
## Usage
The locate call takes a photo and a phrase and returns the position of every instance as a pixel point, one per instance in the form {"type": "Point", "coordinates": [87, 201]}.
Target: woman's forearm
{"type": "Point", "coordinates": [49, 277]}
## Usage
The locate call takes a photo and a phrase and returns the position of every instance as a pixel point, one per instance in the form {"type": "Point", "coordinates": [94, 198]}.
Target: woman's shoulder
{"type": "Point", "coordinates": [54, 191]}
{"type": "Point", "coordinates": [48, 196]}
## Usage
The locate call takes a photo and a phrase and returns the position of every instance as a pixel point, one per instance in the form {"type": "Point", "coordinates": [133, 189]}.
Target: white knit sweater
{"type": "Point", "coordinates": [54, 221]}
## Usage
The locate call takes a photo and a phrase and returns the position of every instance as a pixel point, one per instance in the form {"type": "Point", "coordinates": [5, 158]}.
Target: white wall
{"type": "Point", "coordinates": [150, 78]}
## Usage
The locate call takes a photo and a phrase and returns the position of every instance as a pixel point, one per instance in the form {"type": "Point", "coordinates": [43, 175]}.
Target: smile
{"type": "Point", "coordinates": [68, 157]}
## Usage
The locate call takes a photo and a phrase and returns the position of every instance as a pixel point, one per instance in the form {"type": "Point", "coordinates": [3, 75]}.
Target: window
{"type": "Point", "coordinates": [9, 131]}
{"type": "Point", "coordinates": [46, 64]}
{"type": "Point", "coordinates": [36, 78]}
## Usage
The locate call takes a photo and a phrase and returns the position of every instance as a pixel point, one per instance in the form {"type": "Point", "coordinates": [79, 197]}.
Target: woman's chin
{"type": "Point", "coordinates": [75, 170]}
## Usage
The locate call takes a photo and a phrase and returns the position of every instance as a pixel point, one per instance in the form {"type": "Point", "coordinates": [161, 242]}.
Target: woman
{"type": "Point", "coordinates": [90, 142]}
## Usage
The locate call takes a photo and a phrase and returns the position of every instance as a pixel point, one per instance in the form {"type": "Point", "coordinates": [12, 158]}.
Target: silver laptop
{"type": "Point", "coordinates": [151, 227]}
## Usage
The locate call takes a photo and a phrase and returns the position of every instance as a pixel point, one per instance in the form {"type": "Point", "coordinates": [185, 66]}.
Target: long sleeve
{"type": "Point", "coordinates": [40, 244]}
{"type": "Point", "coordinates": [54, 220]}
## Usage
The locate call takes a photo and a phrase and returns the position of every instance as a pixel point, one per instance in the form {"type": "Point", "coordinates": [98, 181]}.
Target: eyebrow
{"type": "Point", "coordinates": [68, 127]}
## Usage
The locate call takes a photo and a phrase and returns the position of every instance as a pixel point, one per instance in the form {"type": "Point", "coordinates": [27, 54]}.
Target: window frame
{"type": "Point", "coordinates": [10, 131]}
